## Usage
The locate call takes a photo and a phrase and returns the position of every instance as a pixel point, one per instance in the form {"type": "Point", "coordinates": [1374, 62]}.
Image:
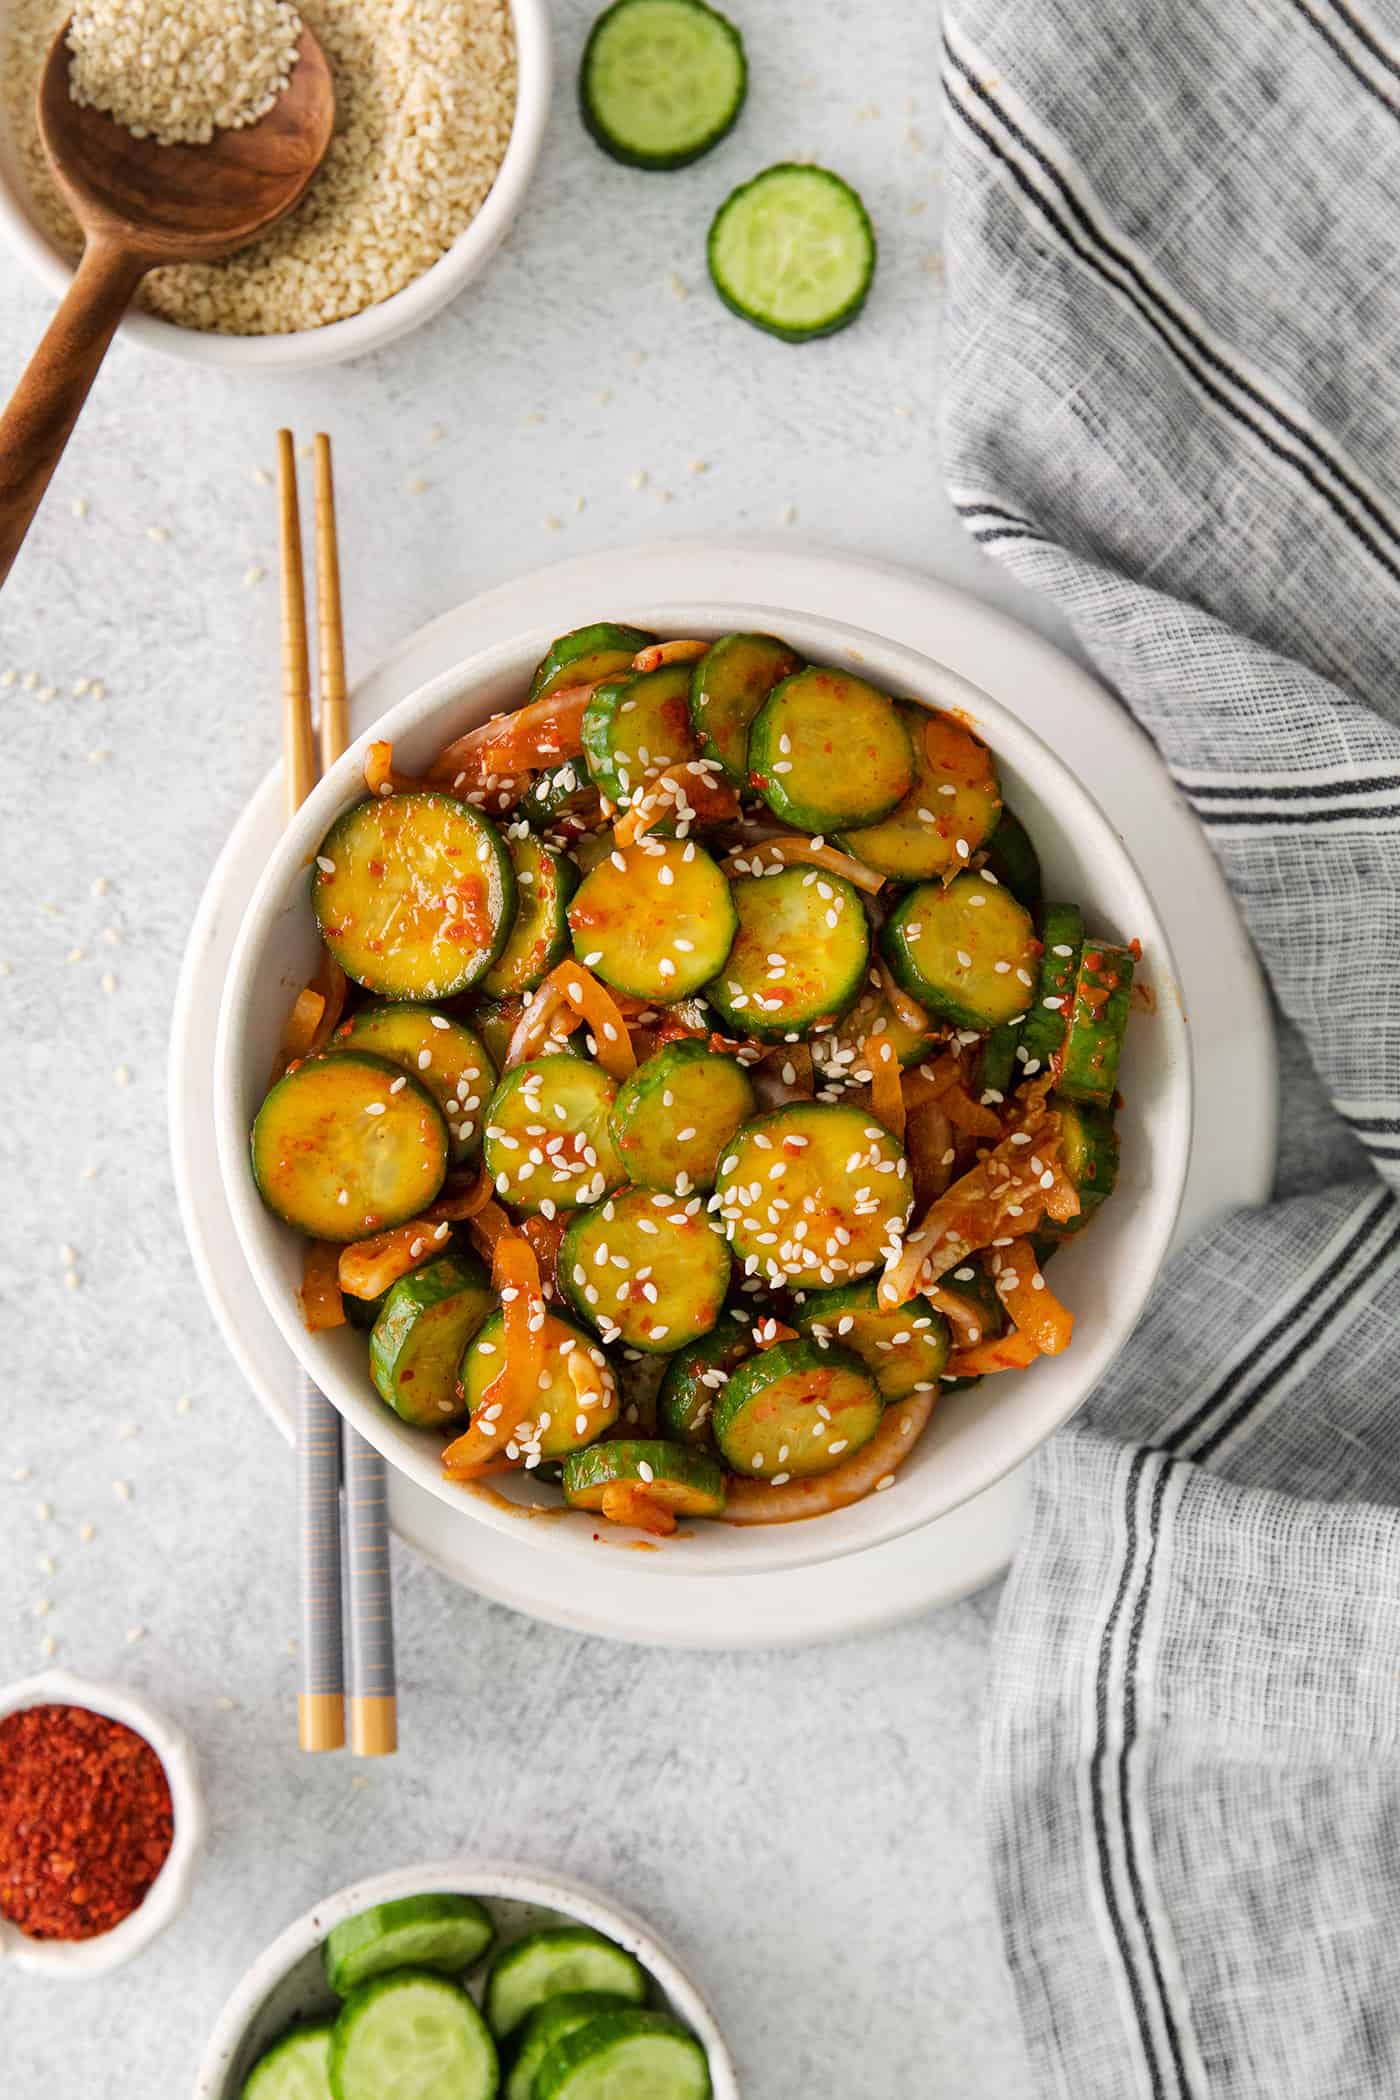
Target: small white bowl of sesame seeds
{"type": "Point", "coordinates": [976, 1434]}
{"type": "Point", "coordinates": [428, 168]}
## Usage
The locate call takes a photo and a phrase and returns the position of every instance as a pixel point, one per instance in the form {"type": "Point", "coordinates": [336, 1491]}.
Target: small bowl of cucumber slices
{"type": "Point", "coordinates": [729, 1088]}
{"type": "Point", "coordinates": [456, 1981]}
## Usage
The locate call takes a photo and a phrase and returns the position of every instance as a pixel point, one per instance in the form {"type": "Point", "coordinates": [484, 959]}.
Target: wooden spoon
{"type": "Point", "coordinates": [141, 205]}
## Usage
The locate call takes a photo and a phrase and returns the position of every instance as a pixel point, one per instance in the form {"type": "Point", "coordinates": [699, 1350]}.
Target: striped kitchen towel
{"type": "Point", "coordinates": [1174, 407]}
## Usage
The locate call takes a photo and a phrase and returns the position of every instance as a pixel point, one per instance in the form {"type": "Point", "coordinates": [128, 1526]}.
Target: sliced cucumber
{"type": "Point", "coordinates": [412, 2035]}
{"type": "Point", "coordinates": [796, 1409]}
{"type": "Point", "coordinates": [414, 895]}
{"type": "Point", "coordinates": [813, 1192]}
{"type": "Point", "coordinates": [841, 1052]}
{"type": "Point", "coordinates": [565, 792]}
{"type": "Point", "coordinates": [348, 1145]}
{"type": "Point", "coordinates": [686, 1481]}
{"type": "Point", "coordinates": [1102, 1002]}
{"type": "Point", "coordinates": [647, 1269]}
{"type": "Point", "coordinates": [295, 2068]}
{"type": "Point", "coordinates": [443, 1056]}
{"type": "Point", "coordinates": [547, 1963]}
{"type": "Point", "coordinates": [547, 1139]}
{"type": "Point", "coordinates": [545, 881]}
{"type": "Point", "coordinates": [1013, 860]}
{"type": "Point", "coordinates": [625, 2056]}
{"type": "Point", "coordinates": [827, 751]}
{"type": "Point", "coordinates": [673, 1118]}
{"type": "Point", "coordinates": [967, 951]}
{"type": "Point", "coordinates": [429, 1317]}
{"type": "Point", "coordinates": [793, 251]}
{"type": "Point", "coordinates": [591, 848]}
{"type": "Point", "coordinates": [585, 655]}
{"type": "Point", "coordinates": [1089, 1149]}
{"type": "Point", "coordinates": [655, 919]}
{"type": "Point", "coordinates": [662, 81]}
{"type": "Point", "coordinates": [634, 727]}
{"type": "Point", "coordinates": [905, 1351]}
{"type": "Point", "coordinates": [363, 1312]}
{"type": "Point", "coordinates": [436, 1931]}
{"type": "Point", "coordinates": [694, 1376]}
{"type": "Point", "coordinates": [799, 957]}
{"type": "Point", "coordinates": [728, 687]}
{"type": "Point", "coordinates": [952, 807]}
{"type": "Point", "coordinates": [998, 1068]}
{"type": "Point", "coordinates": [566, 1419]}
{"type": "Point", "coordinates": [547, 2024]}
{"type": "Point", "coordinates": [1062, 942]}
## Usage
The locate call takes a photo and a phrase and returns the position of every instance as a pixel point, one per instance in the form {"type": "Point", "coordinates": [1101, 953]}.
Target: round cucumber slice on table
{"type": "Point", "coordinates": [625, 2056]}
{"type": "Point", "coordinates": [436, 1931]}
{"type": "Point", "coordinates": [694, 1377]}
{"type": "Point", "coordinates": [799, 957]}
{"type": "Point", "coordinates": [449, 1060]}
{"type": "Point", "coordinates": [547, 1135]}
{"type": "Point", "coordinates": [905, 1351]}
{"type": "Point", "coordinates": [673, 1118]}
{"type": "Point", "coordinates": [827, 751]}
{"type": "Point", "coordinates": [645, 1269]}
{"type": "Point", "coordinates": [586, 654]}
{"type": "Point", "coordinates": [813, 1193]}
{"type": "Point", "coordinates": [416, 1347]}
{"type": "Point", "coordinates": [392, 918]}
{"type": "Point", "coordinates": [796, 1409]}
{"type": "Point", "coordinates": [556, 1959]}
{"type": "Point", "coordinates": [728, 687]}
{"type": "Point", "coordinates": [295, 2068]}
{"type": "Point", "coordinates": [544, 883]}
{"type": "Point", "coordinates": [415, 2036]}
{"type": "Point", "coordinates": [952, 807]}
{"type": "Point", "coordinates": [793, 251]}
{"type": "Point", "coordinates": [966, 950]}
{"type": "Point", "coordinates": [684, 1482]}
{"type": "Point", "coordinates": [655, 919]}
{"type": "Point", "coordinates": [348, 1145]}
{"type": "Point", "coordinates": [662, 81]}
{"type": "Point", "coordinates": [569, 1415]}
{"type": "Point", "coordinates": [547, 2024]}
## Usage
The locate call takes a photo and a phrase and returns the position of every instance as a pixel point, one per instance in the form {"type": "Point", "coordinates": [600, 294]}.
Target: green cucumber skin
{"type": "Point", "coordinates": [640, 1118]}
{"type": "Point", "coordinates": [566, 2072]}
{"type": "Point", "coordinates": [725, 696]}
{"type": "Point", "coordinates": [1043, 1035]}
{"type": "Point", "coordinates": [1012, 858]}
{"type": "Point", "coordinates": [844, 315]}
{"type": "Point", "coordinates": [268, 1175]}
{"type": "Point", "coordinates": [295, 2067]}
{"type": "Point", "coordinates": [659, 162]}
{"type": "Point", "coordinates": [347, 2079]}
{"type": "Point", "coordinates": [899, 949]}
{"type": "Point", "coordinates": [1089, 1150]}
{"type": "Point", "coordinates": [998, 1072]}
{"type": "Point", "coordinates": [552, 796]}
{"type": "Point", "coordinates": [894, 1373]}
{"type": "Point", "coordinates": [668, 687]}
{"type": "Point", "coordinates": [1094, 1044]}
{"type": "Point", "coordinates": [607, 1464]}
{"type": "Point", "coordinates": [354, 1949]}
{"type": "Point", "coordinates": [456, 1275]}
{"type": "Point", "coordinates": [512, 972]}
{"type": "Point", "coordinates": [685, 1402]}
{"type": "Point", "coordinates": [591, 640]}
{"type": "Point", "coordinates": [552, 1952]}
{"type": "Point", "coordinates": [779, 718]}
{"type": "Point", "coordinates": [747, 1386]}
{"type": "Point", "coordinates": [546, 2025]}
{"type": "Point", "coordinates": [832, 997]}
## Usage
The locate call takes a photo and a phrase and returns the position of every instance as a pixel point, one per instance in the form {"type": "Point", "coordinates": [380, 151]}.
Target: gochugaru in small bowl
{"type": "Point", "coordinates": [696, 1082]}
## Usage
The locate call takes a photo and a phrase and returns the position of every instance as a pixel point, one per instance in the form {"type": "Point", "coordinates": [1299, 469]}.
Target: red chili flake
{"type": "Point", "coordinates": [85, 1821]}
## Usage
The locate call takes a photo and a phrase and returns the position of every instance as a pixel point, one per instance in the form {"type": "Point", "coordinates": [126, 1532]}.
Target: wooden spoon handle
{"type": "Point", "coordinates": [39, 420]}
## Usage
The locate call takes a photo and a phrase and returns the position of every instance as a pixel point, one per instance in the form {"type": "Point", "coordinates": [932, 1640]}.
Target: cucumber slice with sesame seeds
{"type": "Point", "coordinates": [966, 950]}
{"type": "Point", "coordinates": [688, 1482]}
{"type": "Point", "coordinates": [635, 727]}
{"type": "Point", "coordinates": [813, 1193]}
{"type": "Point", "coordinates": [586, 654]}
{"type": "Point", "coordinates": [1013, 860]}
{"type": "Point", "coordinates": [413, 2035]}
{"type": "Point", "coordinates": [997, 1072]}
{"type": "Point", "coordinates": [295, 2068]}
{"type": "Point", "coordinates": [436, 1931]}
{"type": "Point", "coordinates": [447, 1058]}
{"type": "Point", "coordinates": [905, 1351]}
{"type": "Point", "coordinates": [568, 1414]}
{"type": "Point", "coordinates": [592, 847]}
{"type": "Point", "coordinates": [1047, 1018]}
{"type": "Point", "coordinates": [839, 1054]}
{"type": "Point", "coordinates": [539, 936]}
{"type": "Point", "coordinates": [655, 919]}
{"type": "Point", "coordinates": [686, 1398]}
{"type": "Point", "coordinates": [416, 1345]}
{"type": "Point", "coordinates": [348, 1145]}
{"type": "Point", "coordinates": [1098, 1023]}
{"type": "Point", "coordinates": [1089, 1150]}
{"type": "Point", "coordinates": [828, 752]}
{"type": "Point", "coordinates": [662, 81]}
{"type": "Point", "coordinates": [728, 687]}
{"type": "Point", "coordinates": [798, 958]}
{"type": "Point", "coordinates": [796, 1409]}
{"type": "Point", "coordinates": [556, 1959]}
{"type": "Point", "coordinates": [546, 2025]}
{"type": "Point", "coordinates": [793, 251]}
{"type": "Point", "coordinates": [392, 918]}
{"type": "Point", "coordinates": [547, 1140]}
{"type": "Point", "coordinates": [645, 1269]}
{"type": "Point", "coordinates": [951, 809]}
{"type": "Point", "coordinates": [560, 797]}
{"type": "Point", "coordinates": [673, 1118]}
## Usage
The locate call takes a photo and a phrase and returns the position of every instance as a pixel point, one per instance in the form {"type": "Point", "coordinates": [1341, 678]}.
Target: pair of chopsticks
{"type": "Point", "coordinates": [330, 1452]}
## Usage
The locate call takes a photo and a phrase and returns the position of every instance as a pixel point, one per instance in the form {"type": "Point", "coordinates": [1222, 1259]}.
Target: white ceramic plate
{"type": "Point", "coordinates": [287, 1983]}
{"type": "Point", "coordinates": [1231, 1161]}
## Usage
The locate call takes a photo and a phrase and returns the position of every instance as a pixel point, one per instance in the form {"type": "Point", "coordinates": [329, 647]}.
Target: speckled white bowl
{"type": "Point", "coordinates": [287, 1983]}
{"type": "Point", "coordinates": [975, 1436]}
{"type": "Point", "coordinates": [170, 1890]}
{"type": "Point", "coordinates": [362, 332]}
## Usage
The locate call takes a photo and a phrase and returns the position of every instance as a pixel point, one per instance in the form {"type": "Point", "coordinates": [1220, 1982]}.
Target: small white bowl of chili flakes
{"type": "Point", "coordinates": [101, 1824]}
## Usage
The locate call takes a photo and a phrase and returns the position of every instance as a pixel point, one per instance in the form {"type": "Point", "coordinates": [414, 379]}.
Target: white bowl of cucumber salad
{"type": "Point", "coordinates": [734, 1022]}
{"type": "Point", "coordinates": [470, 1982]}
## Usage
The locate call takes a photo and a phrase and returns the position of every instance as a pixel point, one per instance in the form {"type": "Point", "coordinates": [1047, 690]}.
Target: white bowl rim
{"type": "Point", "coordinates": [465, 1877]}
{"type": "Point", "coordinates": [754, 1548]}
{"type": "Point", "coordinates": [170, 1890]}
{"type": "Point", "coordinates": [374, 326]}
